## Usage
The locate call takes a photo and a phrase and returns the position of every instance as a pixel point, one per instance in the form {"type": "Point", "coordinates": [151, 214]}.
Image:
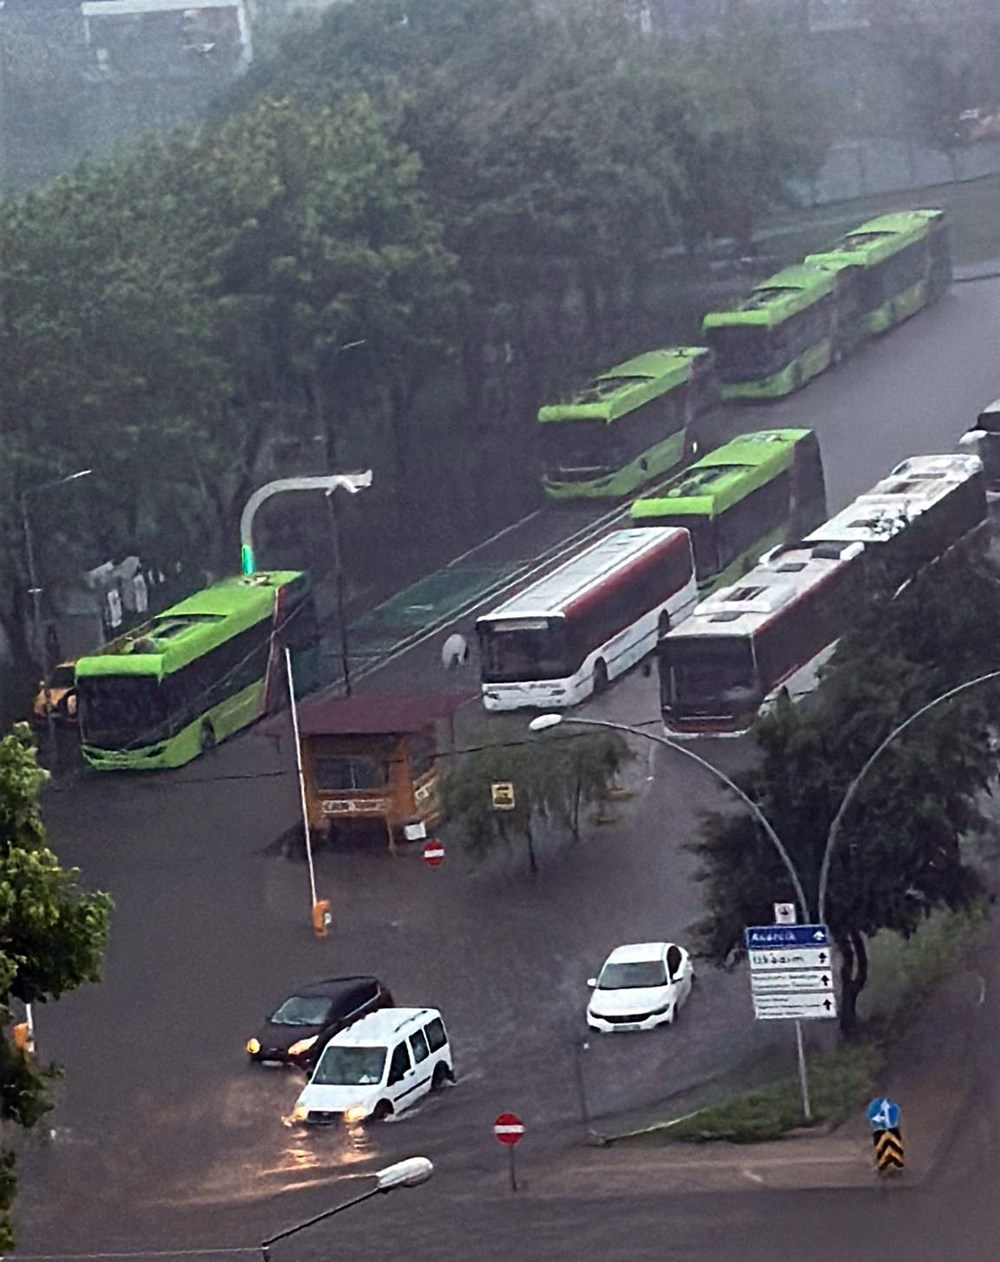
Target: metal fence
{"type": "Point", "coordinates": [860, 168]}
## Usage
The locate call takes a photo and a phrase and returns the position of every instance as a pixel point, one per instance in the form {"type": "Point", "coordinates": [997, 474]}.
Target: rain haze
{"type": "Point", "coordinates": [483, 485]}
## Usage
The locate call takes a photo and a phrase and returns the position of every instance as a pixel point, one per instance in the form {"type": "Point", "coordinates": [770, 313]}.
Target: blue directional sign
{"type": "Point", "coordinates": [763, 936]}
{"type": "Point", "coordinates": [883, 1114]}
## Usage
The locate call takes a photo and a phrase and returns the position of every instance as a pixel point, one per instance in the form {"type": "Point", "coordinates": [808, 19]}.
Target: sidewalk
{"type": "Point", "coordinates": [924, 1076]}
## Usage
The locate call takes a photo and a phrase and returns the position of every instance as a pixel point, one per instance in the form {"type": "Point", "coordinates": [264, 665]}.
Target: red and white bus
{"type": "Point", "coordinates": [572, 631]}
{"type": "Point", "coordinates": [776, 627]}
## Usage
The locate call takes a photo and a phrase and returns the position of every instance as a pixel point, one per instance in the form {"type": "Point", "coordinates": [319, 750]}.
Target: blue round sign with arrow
{"type": "Point", "coordinates": [883, 1114]}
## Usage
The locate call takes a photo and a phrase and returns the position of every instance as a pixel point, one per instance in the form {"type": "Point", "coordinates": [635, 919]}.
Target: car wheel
{"type": "Point", "coordinates": [440, 1076]}
{"type": "Point", "coordinates": [381, 1111]}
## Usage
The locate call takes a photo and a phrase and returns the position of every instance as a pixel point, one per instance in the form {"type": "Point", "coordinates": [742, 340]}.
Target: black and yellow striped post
{"type": "Point", "coordinates": [889, 1152]}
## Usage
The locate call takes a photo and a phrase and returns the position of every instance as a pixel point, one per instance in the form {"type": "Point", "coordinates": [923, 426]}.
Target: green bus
{"type": "Point", "coordinates": [896, 263]}
{"type": "Point", "coordinates": [197, 673]}
{"type": "Point", "coordinates": [631, 424]}
{"type": "Point", "coordinates": [778, 337]}
{"type": "Point", "coordinates": [751, 494]}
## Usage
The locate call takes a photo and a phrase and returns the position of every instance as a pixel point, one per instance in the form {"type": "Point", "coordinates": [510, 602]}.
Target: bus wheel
{"type": "Point", "coordinates": [600, 677]}
{"type": "Point", "coordinates": [207, 738]}
{"type": "Point", "coordinates": [797, 377]}
{"type": "Point", "coordinates": [663, 627]}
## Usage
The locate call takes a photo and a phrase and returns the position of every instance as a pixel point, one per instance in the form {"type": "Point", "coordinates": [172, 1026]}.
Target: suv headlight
{"type": "Point", "coordinates": [303, 1045]}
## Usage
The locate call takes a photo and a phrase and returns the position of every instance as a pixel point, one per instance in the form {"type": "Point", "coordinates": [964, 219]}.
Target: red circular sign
{"type": "Point", "coordinates": [508, 1128]}
{"type": "Point", "coordinates": [434, 853]}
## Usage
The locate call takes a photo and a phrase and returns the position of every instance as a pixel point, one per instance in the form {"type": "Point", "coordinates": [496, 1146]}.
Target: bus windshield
{"type": "Point", "coordinates": [516, 651]}
{"type": "Point", "coordinates": [700, 669]}
{"type": "Point", "coordinates": [120, 712]}
{"type": "Point", "coordinates": [576, 451]}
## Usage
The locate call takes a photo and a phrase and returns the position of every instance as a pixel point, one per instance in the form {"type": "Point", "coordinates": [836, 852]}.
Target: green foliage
{"type": "Point", "coordinates": [838, 1084]}
{"type": "Point", "coordinates": [898, 856]}
{"type": "Point", "coordinates": [52, 940]}
{"type": "Point", "coordinates": [554, 781]}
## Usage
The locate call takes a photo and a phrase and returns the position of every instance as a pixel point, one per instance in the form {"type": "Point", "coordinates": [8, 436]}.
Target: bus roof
{"type": "Point", "coordinates": [877, 239]}
{"type": "Point", "coordinates": [909, 490]}
{"type": "Point", "coordinates": [776, 299]}
{"type": "Point", "coordinates": [551, 595]}
{"type": "Point", "coordinates": [190, 628]}
{"type": "Point", "coordinates": [772, 586]}
{"type": "Point", "coordinates": [622, 389]}
{"type": "Point", "coordinates": [723, 477]}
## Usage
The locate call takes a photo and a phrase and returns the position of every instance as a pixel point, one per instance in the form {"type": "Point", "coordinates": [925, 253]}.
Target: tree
{"type": "Point", "coordinates": [52, 940]}
{"type": "Point", "coordinates": [553, 780]}
{"type": "Point", "coordinates": [900, 853]}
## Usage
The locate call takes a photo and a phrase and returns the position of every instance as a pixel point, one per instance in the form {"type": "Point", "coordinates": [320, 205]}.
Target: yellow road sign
{"type": "Point", "coordinates": [503, 795]}
{"type": "Point", "coordinates": [889, 1154]}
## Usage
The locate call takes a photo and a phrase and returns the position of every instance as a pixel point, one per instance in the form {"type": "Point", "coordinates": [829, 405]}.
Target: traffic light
{"type": "Point", "coordinates": [321, 917]}
{"type": "Point", "coordinates": [248, 562]}
{"type": "Point", "coordinates": [23, 1040]}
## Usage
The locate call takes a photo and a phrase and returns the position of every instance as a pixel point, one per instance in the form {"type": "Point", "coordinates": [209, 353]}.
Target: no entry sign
{"type": "Point", "coordinates": [508, 1128]}
{"type": "Point", "coordinates": [433, 854]}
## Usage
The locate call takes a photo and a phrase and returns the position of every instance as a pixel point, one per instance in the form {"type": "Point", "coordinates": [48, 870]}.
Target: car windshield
{"type": "Point", "coordinates": [350, 1067]}
{"type": "Point", "coordinates": [632, 975]}
{"type": "Point", "coordinates": [302, 1010]}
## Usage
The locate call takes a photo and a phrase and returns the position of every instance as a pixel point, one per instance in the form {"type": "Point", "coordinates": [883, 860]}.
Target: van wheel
{"type": "Point", "coordinates": [206, 739]}
{"type": "Point", "coordinates": [441, 1075]}
{"type": "Point", "coordinates": [381, 1111]}
{"type": "Point", "coordinates": [600, 677]}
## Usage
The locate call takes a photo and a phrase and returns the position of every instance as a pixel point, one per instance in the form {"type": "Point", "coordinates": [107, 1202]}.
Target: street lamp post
{"type": "Point", "coordinates": [403, 1174]}
{"type": "Point", "coordinates": [41, 641]}
{"type": "Point", "coordinates": [545, 721]}
{"type": "Point", "coordinates": [849, 795]}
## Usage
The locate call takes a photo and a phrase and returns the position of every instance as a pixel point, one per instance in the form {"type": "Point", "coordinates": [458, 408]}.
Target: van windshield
{"type": "Point", "coordinates": [350, 1067]}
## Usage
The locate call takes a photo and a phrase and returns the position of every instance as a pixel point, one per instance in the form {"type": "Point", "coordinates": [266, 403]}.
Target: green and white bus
{"type": "Point", "coordinates": [197, 673]}
{"type": "Point", "coordinates": [897, 263]}
{"type": "Point", "coordinates": [746, 497]}
{"type": "Point", "coordinates": [778, 337]}
{"type": "Point", "coordinates": [631, 424]}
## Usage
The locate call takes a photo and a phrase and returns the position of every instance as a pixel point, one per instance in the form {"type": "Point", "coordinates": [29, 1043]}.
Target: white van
{"type": "Point", "coordinates": [378, 1066]}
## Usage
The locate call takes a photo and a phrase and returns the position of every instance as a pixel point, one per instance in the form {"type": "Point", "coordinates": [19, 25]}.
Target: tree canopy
{"type": "Point", "coordinates": [52, 941]}
{"type": "Point", "coordinates": [900, 853]}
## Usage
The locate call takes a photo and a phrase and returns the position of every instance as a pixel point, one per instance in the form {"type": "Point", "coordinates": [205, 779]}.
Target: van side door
{"type": "Point", "coordinates": [422, 1064]}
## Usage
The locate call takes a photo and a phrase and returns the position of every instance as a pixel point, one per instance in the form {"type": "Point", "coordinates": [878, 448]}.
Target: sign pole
{"type": "Point", "coordinates": [513, 1176]}
{"type": "Point", "coordinates": [803, 1075]}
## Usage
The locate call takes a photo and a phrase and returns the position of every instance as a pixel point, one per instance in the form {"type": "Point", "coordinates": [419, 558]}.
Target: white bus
{"type": "Point", "coordinates": [571, 632]}
{"type": "Point", "coordinates": [776, 627]}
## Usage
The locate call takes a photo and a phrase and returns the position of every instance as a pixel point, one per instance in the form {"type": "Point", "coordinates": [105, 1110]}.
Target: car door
{"type": "Point", "coordinates": [399, 1084]}
{"type": "Point", "coordinates": [679, 971]}
{"type": "Point", "coordinates": [423, 1066]}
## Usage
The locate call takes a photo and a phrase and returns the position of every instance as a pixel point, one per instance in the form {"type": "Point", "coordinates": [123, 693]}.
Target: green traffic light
{"type": "Point", "coordinates": [249, 565]}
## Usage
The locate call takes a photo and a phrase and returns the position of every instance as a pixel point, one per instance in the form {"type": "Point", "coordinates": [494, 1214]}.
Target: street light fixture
{"type": "Point", "coordinates": [41, 642]}
{"type": "Point", "coordinates": [543, 722]}
{"type": "Point", "coordinates": [402, 1174]}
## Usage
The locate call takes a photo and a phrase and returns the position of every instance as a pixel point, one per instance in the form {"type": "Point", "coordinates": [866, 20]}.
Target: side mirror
{"type": "Point", "coordinates": [591, 982]}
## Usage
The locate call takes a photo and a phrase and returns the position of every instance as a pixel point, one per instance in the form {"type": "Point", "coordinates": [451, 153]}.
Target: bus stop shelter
{"type": "Point", "coordinates": [375, 758]}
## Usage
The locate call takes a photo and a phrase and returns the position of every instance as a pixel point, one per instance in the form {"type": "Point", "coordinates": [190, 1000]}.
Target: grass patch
{"type": "Point", "coordinates": [836, 1083]}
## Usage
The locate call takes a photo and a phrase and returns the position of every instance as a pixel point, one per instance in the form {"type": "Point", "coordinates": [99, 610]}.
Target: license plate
{"type": "Point", "coordinates": [273, 1064]}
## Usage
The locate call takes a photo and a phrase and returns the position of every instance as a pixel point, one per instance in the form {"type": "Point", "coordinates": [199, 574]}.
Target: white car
{"type": "Point", "coordinates": [639, 987]}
